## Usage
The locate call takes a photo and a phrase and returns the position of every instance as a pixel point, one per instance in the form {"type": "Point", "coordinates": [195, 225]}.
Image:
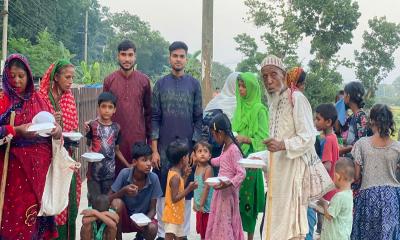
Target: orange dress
{"type": "Point", "coordinates": [173, 212]}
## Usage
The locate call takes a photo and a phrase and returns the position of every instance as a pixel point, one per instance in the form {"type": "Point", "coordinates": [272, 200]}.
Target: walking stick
{"type": "Point", "coordinates": [269, 197]}
{"type": "Point", "coordinates": [5, 168]}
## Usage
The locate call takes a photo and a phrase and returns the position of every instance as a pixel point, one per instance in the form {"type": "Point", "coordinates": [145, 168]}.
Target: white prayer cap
{"type": "Point", "coordinates": [272, 60]}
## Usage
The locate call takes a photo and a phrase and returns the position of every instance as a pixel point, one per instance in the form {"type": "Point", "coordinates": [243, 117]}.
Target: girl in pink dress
{"type": "Point", "coordinates": [224, 219]}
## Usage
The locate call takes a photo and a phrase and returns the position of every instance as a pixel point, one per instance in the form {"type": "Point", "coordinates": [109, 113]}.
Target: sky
{"type": "Point", "coordinates": [181, 20]}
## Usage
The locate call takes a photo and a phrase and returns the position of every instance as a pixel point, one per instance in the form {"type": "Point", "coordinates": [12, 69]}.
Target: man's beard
{"type": "Point", "coordinates": [126, 69]}
{"type": "Point", "coordinates": [177, 69]}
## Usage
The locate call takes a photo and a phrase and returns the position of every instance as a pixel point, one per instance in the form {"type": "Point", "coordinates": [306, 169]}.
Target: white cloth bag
{"type": "Point", "coordinates": [58, 181]}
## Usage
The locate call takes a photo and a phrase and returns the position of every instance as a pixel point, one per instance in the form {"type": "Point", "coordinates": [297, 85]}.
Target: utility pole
{"type": "Point", "coordinates": [207, 50]}
{"type": "Point", "coordinates": [86, 36]}
{"type": "Point", "coordinates": [5, 29]}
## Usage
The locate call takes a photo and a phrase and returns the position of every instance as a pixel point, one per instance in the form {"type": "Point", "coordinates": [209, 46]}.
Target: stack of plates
{"type": "Point", "coordinates": [140, 219]}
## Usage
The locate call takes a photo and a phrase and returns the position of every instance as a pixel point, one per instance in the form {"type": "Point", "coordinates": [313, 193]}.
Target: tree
{"type": "Point", "coordinates": [376, 58]}
{"type": "Point", "coordinates": [281, 37]}
{"type": "Point", "coordinates": [40, 55]}
{"type": "Point", "coordinates": [396, 85]}
{"type": "Point", "coordinates": [219, 74]}
{"type": "Point", "coordinates": [152, 48]}
{"type": "Point", "coordinates": [329, 24]}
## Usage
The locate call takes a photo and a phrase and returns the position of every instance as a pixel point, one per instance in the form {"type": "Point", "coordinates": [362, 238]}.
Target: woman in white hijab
{"type": "Point", "coordinates": [224, 102]}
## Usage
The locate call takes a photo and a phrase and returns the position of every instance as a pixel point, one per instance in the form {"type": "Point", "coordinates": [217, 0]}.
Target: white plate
{"type": "Point", "coordinates": [74, 136]}
{"type": "Point", "coordinates": [316, 207]}
{"type": "Point", "coordinates": [93, 157]}
{"type": "Point", "coordinates": [140, 219]}
{"type": "Point", "coordinates": [43, 117]}
{"type": "Point", "coordinates": [213, 181]}
{"type": "Point", "coordinates": [41, 128]}
{"type": "Point", "coordinates": [252, 163]}
{"type": "Point", "coordinates": [224, 179]}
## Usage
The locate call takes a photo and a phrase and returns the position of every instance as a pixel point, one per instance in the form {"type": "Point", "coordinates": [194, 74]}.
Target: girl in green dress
{"type": "Point", "coordinates": [250, 122]}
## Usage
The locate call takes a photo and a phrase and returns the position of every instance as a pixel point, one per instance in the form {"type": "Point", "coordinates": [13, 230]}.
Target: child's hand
{"type": "Point", "coordinates": [86, 126]}
{"type": "Point", "coordinates": [193, 185]}
{"type": "Point", "coordinates": [223, 185]}
{"type": "Point", "coordinates": [195, 209]}
{"type": "Point", "coordinates": [130, 190]}
{"type": "Point", "coordinates": [89, 212]}
{"type": "Point", "coordinates": [323, 203]}
{"type": "Point", "coordinates": [155, 160]}
{"type": "Point", "coordinates": [188, 171]}
{"type": "Point", "coordinates": [201, 209]}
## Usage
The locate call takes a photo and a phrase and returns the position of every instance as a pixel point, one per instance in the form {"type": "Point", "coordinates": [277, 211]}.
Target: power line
{"type": "Point", "coordinates": [42, 6]}
{"type": "Point", "coordinates": [23, 19]}
{"type": "Point", "coordinates": [29, 21]}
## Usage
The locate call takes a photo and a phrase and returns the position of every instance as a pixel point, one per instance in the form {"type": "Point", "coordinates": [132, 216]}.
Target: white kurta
{"type": "Point", "coordinates": [294, 125]}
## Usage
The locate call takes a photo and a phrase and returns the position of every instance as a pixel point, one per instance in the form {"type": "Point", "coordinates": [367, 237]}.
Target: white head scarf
{"type": "Point", "coordinates": [226, 100]}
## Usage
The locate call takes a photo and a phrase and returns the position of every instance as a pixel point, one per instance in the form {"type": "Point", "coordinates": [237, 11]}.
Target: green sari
{"type": "Point", "coordinates": [251, 120]}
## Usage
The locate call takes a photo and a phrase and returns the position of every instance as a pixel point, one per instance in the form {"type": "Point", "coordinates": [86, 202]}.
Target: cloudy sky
{"type": "Point", "coordinates": [181, 20]}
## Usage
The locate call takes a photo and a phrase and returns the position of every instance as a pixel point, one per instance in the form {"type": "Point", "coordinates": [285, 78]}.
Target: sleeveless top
{"type": "Point", "coordinates": [199, 192]}
{"type": "Point", "coordinates": [173, 212]}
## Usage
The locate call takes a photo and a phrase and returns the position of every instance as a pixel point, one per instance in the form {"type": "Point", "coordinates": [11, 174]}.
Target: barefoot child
{"type": "Point", "coordinates": [99, 222]}
{"type": "Point", "coordinates": [203, 194]}
{"type": "Point", "coordinates": [174, 210]}
{"type": "Point", "coordinates": [339, 214]}
{"type": "Point", "coordinates": [224, 220]}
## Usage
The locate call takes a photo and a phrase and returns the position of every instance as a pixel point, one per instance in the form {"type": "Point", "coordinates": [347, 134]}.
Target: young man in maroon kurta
{"type": "Point", "coordinates": [133, 92]}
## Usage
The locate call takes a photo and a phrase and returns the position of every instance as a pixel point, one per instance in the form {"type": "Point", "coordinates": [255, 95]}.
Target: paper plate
{"type": "Point", "coordinates": [317, 207]}
{"type": "Point", "coordinates": [224, 179]}
{"type": "Point", "coordinates": [213, 181]}
{"type": "Point", "coordinates": [252, 163]}
{"type": "Point", "coordinates": [41, 128]}
{"type": "Point", "coordinates": [93, 157]}
{"type": "Point", "coordinates": [140, 219]}
{"type": "Point", "coordinates": [74, 136]}
{"type": "Point", "coordinates": [43, 117]}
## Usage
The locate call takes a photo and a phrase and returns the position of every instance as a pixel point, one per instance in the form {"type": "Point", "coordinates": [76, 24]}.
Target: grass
{"type": "Point", "coordinates": [396, 114]}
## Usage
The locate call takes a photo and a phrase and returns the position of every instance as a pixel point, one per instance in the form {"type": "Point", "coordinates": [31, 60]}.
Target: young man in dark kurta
{"type": "Point", "coordinates": [133, 92]}
{"type": "Point", "coordinates": [177, 112]}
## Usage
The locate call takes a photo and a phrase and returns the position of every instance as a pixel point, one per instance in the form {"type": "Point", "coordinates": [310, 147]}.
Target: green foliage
{"type": "Point", "coordinates": [40, 55]}
{"type": "Point", "coordinates": [152, 49]}
{"type": "Point", "coordinates": [93, 73]}
{"type": "Point", "coordinates": [376, 58]}
{"type": "Point", "coordinates": [396, 85]}
{"type": "Point", "coordinates": [322, 83]}
{"type": "Point", "coordinates": [281, 36]}
{"type": "Point", "coordinates": [329, 25]}
{"type": "Point", "coordinates": [193, 66]}
{"type": "Point", "coordinates": [90, 73]}
{"type": "Point", "coordinates": [219, 73]}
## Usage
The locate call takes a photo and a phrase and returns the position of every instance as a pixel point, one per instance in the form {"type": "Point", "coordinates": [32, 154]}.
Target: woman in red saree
{"type": "Point", "coordinates": [30, 155]}
{"type": "Point", "coordinates": [55, 89]}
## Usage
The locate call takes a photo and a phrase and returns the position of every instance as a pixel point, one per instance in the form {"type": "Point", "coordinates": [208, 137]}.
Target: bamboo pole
{"type": "Point", "coordinates": [269, 197]}
{"type": "Point", "coordinates": [5, 168]}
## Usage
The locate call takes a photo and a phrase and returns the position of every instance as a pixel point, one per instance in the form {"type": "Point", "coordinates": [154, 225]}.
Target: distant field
{"type": "Point", "coordinates": [396, 113]}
